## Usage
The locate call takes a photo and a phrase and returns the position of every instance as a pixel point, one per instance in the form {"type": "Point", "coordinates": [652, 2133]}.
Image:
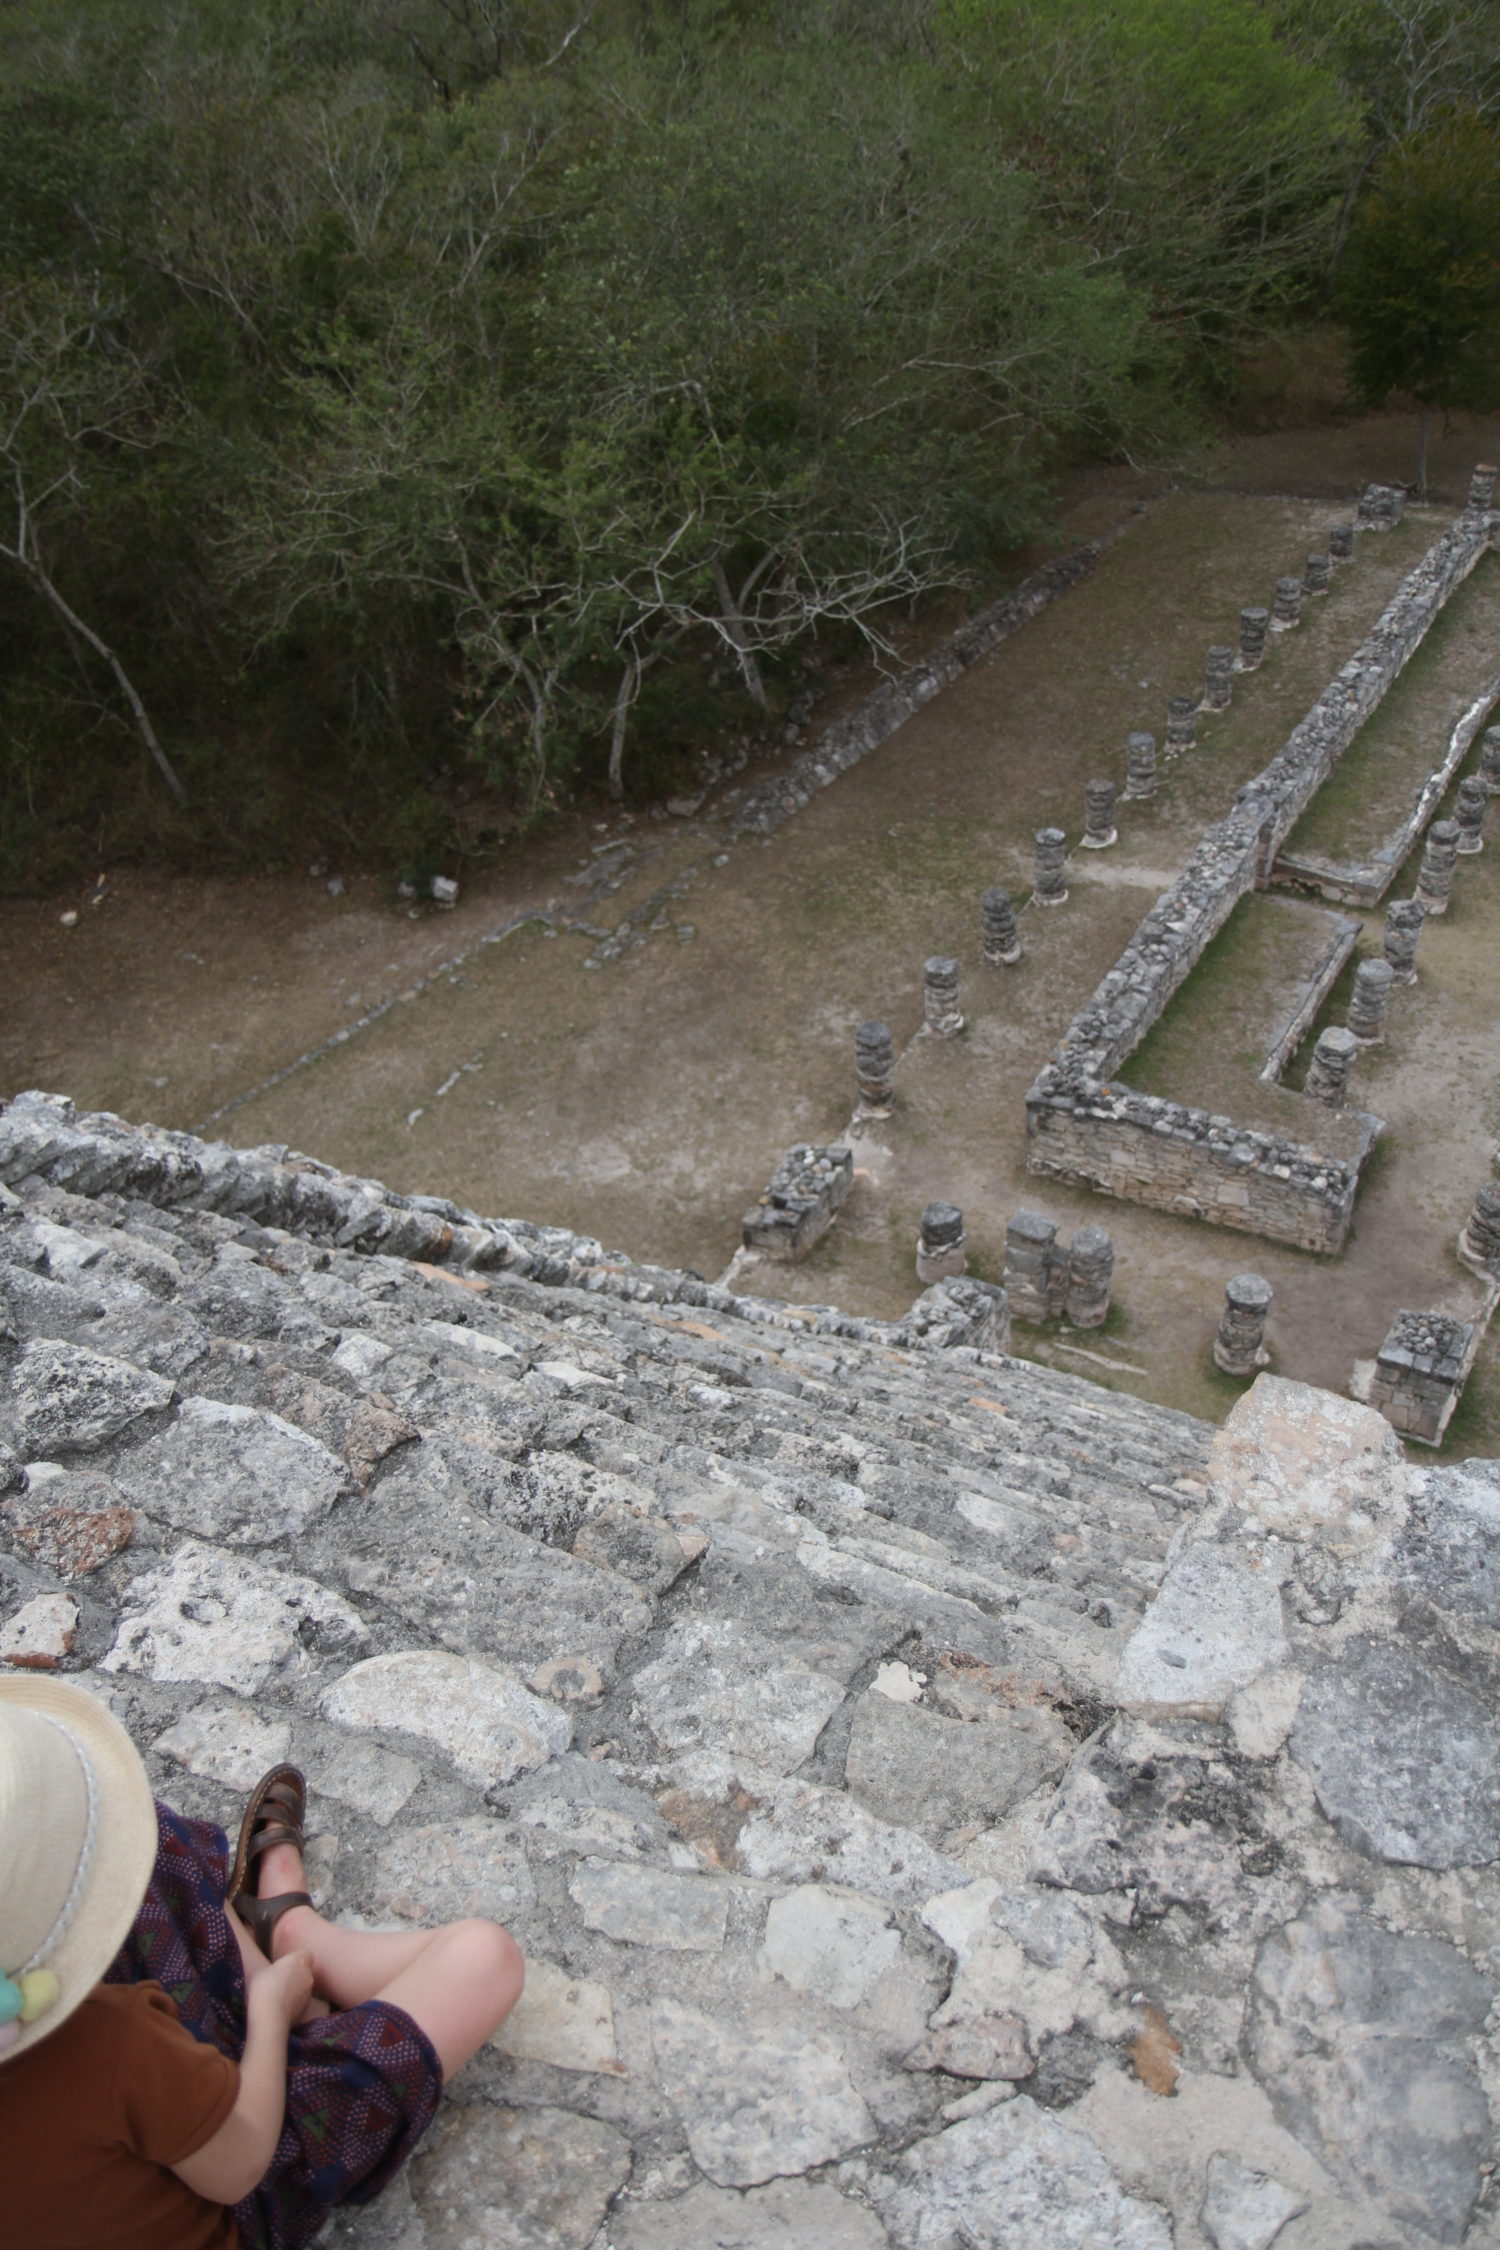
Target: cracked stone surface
{"type": "Point", "coordinates": [944, 1806]}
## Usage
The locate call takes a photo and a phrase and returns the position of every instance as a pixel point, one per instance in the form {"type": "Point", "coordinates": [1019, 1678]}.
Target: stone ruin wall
{"type": "Point", "coordinates": [1083, 1128]}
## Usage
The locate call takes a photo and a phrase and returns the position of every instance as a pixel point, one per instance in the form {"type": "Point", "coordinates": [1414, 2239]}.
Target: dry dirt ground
{"type": "Point", "coordinates": [647, 1100]}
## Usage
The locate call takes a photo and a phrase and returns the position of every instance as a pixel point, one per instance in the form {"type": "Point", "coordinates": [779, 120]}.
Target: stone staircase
{"type": "Point", "coordinates": [883, 1750]}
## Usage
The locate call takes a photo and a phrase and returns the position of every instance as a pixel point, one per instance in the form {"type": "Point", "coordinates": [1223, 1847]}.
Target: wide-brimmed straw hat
{"type": "Point", "coordinates": [77, 1845]}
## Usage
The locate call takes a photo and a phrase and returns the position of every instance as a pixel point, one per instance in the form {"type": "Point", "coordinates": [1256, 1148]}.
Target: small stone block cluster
{"type": "Point", "coordinates": [1332, 1060]}
{"type": "Point", "coordinates": [1420, 1371]}
{"type": "Point", "coordinates": [999, 938]}
{"type": "Point", "coordinates": [1254, 626]}
{"type": "Point", "coordinates": [940, 996]}
{"type": "Point", "coordinates": [1381, 507]}
{"type": "Point", "coordinates": [1099, 830]}
{"type": "Point", "coordinates": [1044, 1277]}
{"type": "Point", "coordinates": [1403, 926]}
{"type": "Point", "coordinates": [1479, 1243]}
{"type": "Point", "coordinates": [1435, 880]}
{"type": "Point", "coordinates": [1239, 1346]}
{"type": "Point", "coordinates": [807, 1189]}
{"type": "Point", "coordinates": [1051, 867]}
{"type": "Point", "coordinates": [875, 1066]}
{"type": "Point", "coordinates": [942, 1245]}
{"type": "Point", "coordinates": [1218, 677]}
{"type": "Point", "coordinates": [1482, 486]}
{"type": "Point", "coordinates": [1369, 1002]}
{"type": "Point", "coordinates": [1469, 811]}
{"type": "Point", "coordinates": [1140, 764]}
{"type": "Point", "coordinates": [1341, 542]}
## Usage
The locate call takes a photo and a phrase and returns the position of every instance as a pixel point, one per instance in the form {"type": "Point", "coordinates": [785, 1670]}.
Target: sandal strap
{"type": "Point", "coordinates": [261, 1915]}
{"type": "Point", "coordinates": [262, 1840]}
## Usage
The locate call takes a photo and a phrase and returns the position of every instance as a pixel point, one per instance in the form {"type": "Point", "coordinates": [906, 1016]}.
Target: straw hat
{"type": "Point", "coordinates": [77, 1845]}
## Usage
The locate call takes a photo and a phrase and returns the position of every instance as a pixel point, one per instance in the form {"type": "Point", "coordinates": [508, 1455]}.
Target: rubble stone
{"type": "Point", "coordinates": [476, 1714]}
{"type": "Point", "coordinates": [516, 2179]}
{"type": "Point", "coordinates": [1012, 2179]}
{"type": "Point", "coordinates": [754, 2109]}
{"type": "Point", "coordinates": [68, 1399]}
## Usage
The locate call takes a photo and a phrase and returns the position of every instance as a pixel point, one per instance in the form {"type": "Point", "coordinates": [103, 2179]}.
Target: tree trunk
{"type": "Point", "coordinates": [628, 686]}
{"type": "Point", "coordinates": [126, 685]}
{"type": "Point", "coordinates": [734, 625]}
{"type": "Point", "coordinates": [1424, 430]}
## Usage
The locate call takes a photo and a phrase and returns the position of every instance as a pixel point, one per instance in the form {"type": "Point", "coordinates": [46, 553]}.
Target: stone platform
{"type": "Point", "coordinates": [943, 1803]}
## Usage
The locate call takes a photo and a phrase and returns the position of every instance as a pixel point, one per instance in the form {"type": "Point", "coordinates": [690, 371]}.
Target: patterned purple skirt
{"type": "Point", "coordinates": [361, 2085]}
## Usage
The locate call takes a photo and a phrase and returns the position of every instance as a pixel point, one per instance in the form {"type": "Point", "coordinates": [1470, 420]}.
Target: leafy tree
{"type": "Point", "coordinates": [1419, 289]}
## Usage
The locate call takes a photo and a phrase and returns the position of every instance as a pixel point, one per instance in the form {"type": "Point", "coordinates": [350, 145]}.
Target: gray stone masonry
{"type": "Point", "coordinates": [1286, 610]}
{"type": "Point", "coordinates": [1369, 1001]}
{"type": "Point", "coordinates": [940, 996]}
{"type": "Point", "coordinates": [1403, 926]}
{"type": "Point", "coordinates": [1420, 1372]}
{"type": "Point", "coordinates": [1489, 760]}
{"type": "Point", "coordinates": [1099, 816]}
{"type": "Point", "coordinates": [1091, 1266]}
{"type": "Point", "coordinates": [1140, 764]}
{"type": "Point", "coordinates": [999, 937]}
{"type": "Point", "coordinates": [808, 1188]}
{"type": "Point", "coordinates": [1435, 880]}
{"type": "Point", "coordinates": [1340, 542]}
{"type": "Point", "coordinates": [1239, 1346]}
{"type": "Point", "coordinates": [875, 1066]}
{"type": "Point", "coordinates": [903, 1767]}
{"type": "Point", "coordinates": [1468, 812]}
{"type": "Point", "coordinates": [1381, 507]}
{"type": "Point", "coordinates": [1036, 1267]}
{"type": "Point", "coordinates": [1316, 575]}
{"type": "Point", "coordinates": [1482, 486]}
{"type": "Point", "coordinates": [1254, 626]}
{"type": "Point", "coordinates": [1479, 1243]}
{"type": "Point", "coordinates": [942, 1246]}
{"type": "Point", "coordinates": [1218, 677]}
{"type": "Point", "coordinates": [1051, 867]}
{"type": "Point", "coordinates": [1182, 713]}
{"type": "Point", "coordinates": [1332, 1060]}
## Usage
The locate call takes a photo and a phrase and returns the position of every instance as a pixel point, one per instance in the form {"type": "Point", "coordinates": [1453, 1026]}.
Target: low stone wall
{"type": "Point", "coordinates": [1343, 937]}
{"type": "Point", "coordinates": [1148, 1150]}
{"type": "Point", "coordinates": [43, 1136]}
{"type": "Point", "coordinates": [1082, 1128]}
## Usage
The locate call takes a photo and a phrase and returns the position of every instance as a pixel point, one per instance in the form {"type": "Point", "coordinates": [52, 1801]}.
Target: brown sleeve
{"type": "Point", "coordinates": [175, 2092]}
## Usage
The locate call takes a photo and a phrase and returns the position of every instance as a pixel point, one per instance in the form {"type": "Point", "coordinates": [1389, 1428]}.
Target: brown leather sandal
{"type": "Point", "coordinates": [275, 1815]}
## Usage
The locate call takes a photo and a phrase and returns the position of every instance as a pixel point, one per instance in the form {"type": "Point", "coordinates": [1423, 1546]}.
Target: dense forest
{"type": "Point", "coordinates": [415, 411]}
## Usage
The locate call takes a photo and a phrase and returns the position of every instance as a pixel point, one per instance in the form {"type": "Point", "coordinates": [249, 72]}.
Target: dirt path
{"type": "Point", "coordinates": [647, 1100]}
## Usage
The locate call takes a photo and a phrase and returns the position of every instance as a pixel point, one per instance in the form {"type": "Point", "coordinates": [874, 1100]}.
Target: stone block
{"type": "Point", "coordinates": [808, 1188]}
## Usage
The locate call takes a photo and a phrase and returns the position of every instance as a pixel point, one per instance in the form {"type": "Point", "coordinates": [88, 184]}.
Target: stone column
{"type": "Point", "coordinates": [1489, 760]}
{"type": "Point", "coordinates": [1403, 926]}
{"type": "Point", "coordinates": [1091, 1265]}
{"type": "Point", "coordinates": [875, 1067]}
{"type": "Point", "coordinates": [1369, 1001]}
{"type": "Point", "coordinates": [1381, 506]}
{"type": "Point", "coordinates": [1181, 712]}
{"type": "Point", "coordinates": [1435, 882]}
{"type": "Point", "coordinates": [1286, 610]}
{"type": "Point", "coordinates": [1317, 574]}
{"type": "Point", "coordinates": [942, 1246]}
{"type": "Point", "coordinates": [1482, 486]}
{"type": "Point", "coordinates": [1051, 867]}
{"type": "Point", "coordinates": [1479, 1243]}
{"type": "Point", "coordinates": [940, 996]}
{"type": "Point", "coordinates": [1469, 811]}
{"type": "Point", "coordinates": [1254, 625]}
{"type": "Point", "coordinates": [1341, 542]}
{"type": "Point", "coordinates": [1140, 764]}
{"type": "Point", "coordinates": [999, 937]}
{"type": "Point", "coordinates": [1328, 1072]}
{"type": "Point", "coordinates": [1239, 1347]}
{"type": "Point", "coordinates": [1031, 1261]}
{"type": "Point", "coordinates": [1218, 674]}
{"type": "Point", "coordinates": [1099, 830]}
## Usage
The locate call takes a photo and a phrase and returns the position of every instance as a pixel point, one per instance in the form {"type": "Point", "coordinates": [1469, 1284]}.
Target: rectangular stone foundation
{"type": "Point", "coordinates": [807, 1188]}
{"type": "Point", "coordinates": [1422, 1367]}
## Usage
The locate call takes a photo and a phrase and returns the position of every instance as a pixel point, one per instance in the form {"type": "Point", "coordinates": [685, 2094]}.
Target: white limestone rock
{"type": "Point", "coordinates": [755, 2108]}
{"type": "Point", "coordinates": [1015, 2178]}
{"type": "Point", "coordinates": [37, 1636]}
{"type": "Point", "coordinates": [68, 1399]}
{"type": "Point", "coordinates": [920, 1770]}
{"type": "Point", "coordinates": [785, 2215]}
{"type": "Point", "coordinates": [452, 1869]}
{"type": "Point", "coordinates": [810, 1834]}
{"type": "Point", "coordinates": [234, 1475]}
{"type": "Point", "coordinates": [226, 1742]}
{"type": "Point", "coordinates": [560, 2019]}
{"type": "Point", "coordinates": [369, 1780]}
{"type": "Point", "coordinates": [1215, 1625]}
{"type": "Point", "coordinates": [227, 1620]}
{"type": "Point", "coordinates": [1311, 1466]}
{"type": "Point", "coordinates": [477, 1714]}
{"type": "Point", "coordinates": [508, 2179]}
{"type": "Point", "coordinates": [830, 1945]}
{"type": "Point", "coordinates": [1245, 2210]}
{"type": "Point", "coordinates": [693, 1696]}
{"type": "Point", "coordinates": [643, 1906]}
